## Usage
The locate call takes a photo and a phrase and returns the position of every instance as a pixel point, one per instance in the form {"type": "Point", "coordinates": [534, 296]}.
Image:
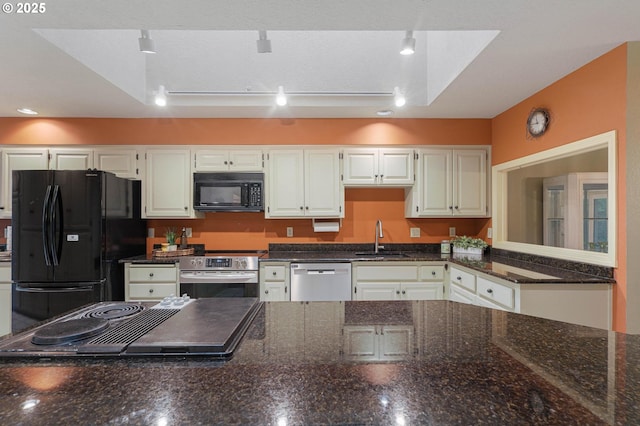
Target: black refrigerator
{"type": "Point", "coordinates": [70, 228]}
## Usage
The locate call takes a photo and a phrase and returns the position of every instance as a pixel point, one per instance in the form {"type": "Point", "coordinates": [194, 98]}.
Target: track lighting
{"type": "Point", "coordinates": [27, 111]}
{"type": "Point", "coordinates": [408, 44]}
{"type": "Point", "coordinates": [161, 97]}
{"type": "Point", "coordinates": [146, 43]}
{"type": "Point", "coordinates": [281, 97]}
{"type": "Point", "coordinates": [398, 97]}
{"type": "Point", "coordinates": [264, 44]}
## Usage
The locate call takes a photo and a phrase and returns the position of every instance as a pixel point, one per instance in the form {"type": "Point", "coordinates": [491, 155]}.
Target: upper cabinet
{"type": "Point", "coordinates": [167, 183]}
{"type": "Point", "coordinates": [221, 160]}
{"type": "Point", "coordinates": [70, 158]}
{"type": "Point", "coordinates": [450, 182]}
{"type": "Point", "coordinates": [304, 183]}
{"type": "Point", "coordinates": [121, 161]}
{"type": "Point", "coordinates": [18, 159]}
{"type": "Point", "coordinates": [378, 167]}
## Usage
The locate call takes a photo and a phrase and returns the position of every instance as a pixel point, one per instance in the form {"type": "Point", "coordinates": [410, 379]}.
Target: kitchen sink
{"type": "Point", "coordinates": [382, 254]}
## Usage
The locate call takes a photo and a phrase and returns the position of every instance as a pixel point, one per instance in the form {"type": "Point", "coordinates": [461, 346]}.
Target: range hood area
{"type": "Point", "coordinates": [176, 326]}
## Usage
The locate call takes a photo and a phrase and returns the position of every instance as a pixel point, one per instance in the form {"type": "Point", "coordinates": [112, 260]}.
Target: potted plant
{"type": "Point", "coordinates": [468, 245]}
{"type": "Point", "coordinates": [171, 235]}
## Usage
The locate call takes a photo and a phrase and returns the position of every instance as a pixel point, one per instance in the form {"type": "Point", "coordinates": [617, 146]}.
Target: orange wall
{"type": "Point", "coordinates": [587, 102]}
{"type": "Point", "coordinates": [251, 230]}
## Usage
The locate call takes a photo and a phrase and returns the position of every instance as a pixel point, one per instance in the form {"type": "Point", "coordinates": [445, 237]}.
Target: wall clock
{"type": "Point", "coordinates": [538, 122]}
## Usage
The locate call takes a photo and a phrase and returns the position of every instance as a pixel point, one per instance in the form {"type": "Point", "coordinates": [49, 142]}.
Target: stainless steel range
{"type": "Point", "coordinates": [176, 326]}
{"type": "Point", "coordinates": [220, 274]}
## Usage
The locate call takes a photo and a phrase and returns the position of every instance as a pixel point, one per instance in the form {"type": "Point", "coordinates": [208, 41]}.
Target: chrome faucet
{"type": "Point", "coordinates": [378, 234]}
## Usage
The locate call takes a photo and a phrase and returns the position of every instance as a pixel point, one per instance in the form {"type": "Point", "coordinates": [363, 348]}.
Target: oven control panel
{"type": "Point", "coordinates": [232, 263]}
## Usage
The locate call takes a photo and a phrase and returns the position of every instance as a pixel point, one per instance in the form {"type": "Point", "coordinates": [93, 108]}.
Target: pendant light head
{"type": "Point", "coordinates": [281, 97]}
{"type": "Point", "coordinates": [398, 97]}
{"type": "Point", "coordinates": [146, 43]}
{"type": "Point", "coordinates": [263, 43]}
{"type": "Point", "coordinates": [408, 44]}
{"type": "Point", "coordinates": [161, 97]}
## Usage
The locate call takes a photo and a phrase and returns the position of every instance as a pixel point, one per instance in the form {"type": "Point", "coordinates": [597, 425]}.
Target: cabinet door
{"type": "Point", "coordinates": [245, 160]}
{"type": "Point", "coordinates": [458, 294]}
{"type": "Point", "coordinates": [121, 162]}
{"type": "Point", "coordinates": [211, 160]}
{"type": "Point", "coordinates": [322, 183]}
{"type": "Point", "coordinates": [361, 342]}
{"type": "Point", "coordinates": [275, 292]}
{"type": "Point", "coordinates": [377, 291]}
{"type": "Point", "coordinates": [422, 291]}
{"type": "Point", "coordinates": [285, 195]}
{"type": "Point", "coordinates": [168, 183]}
{"type": "Point", "coordinates": [396, 342]}
{"type": "Point", "coordinates": [18, 159]}
{"type": "Point", "coordinates": [395, 166]}
{"type": "Point", "coordinates": [435, 183]}
{"type": "Point", "coordinates": [70, 159]}
{"type": "Point", "coordinates": [470, 182]}
{"type": "Point", "coordinates": [360, 166]}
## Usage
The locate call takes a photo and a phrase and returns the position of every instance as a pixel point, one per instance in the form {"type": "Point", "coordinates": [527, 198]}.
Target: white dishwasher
{"type": "Point", "coordinates": [320, 282]}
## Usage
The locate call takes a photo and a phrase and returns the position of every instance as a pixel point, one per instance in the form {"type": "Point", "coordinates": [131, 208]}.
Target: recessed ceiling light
{"type": "Point", "coordinates": [27, 111]}
{"type": "Point", "coordinates": [408, 44]}
{"type": "Point", "coordinates": [384, 113]}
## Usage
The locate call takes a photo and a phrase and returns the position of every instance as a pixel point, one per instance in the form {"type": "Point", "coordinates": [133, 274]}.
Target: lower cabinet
{"type": "Point", "coordinates": [575, 303]}
{"type": "Point", "coordinates": [397, 280]}
{"type": "Point", "coordinates": [150, 282]}
{"type": "Point", "coordinates": [274, 281]}
{"type": "Point", "coordinates": [5, 298]}
{"type": "Point", "coordinates": [378, 342]}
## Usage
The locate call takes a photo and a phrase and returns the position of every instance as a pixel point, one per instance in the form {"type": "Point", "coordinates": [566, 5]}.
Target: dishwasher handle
{"type": "Point", "coordinates": [321, 271]}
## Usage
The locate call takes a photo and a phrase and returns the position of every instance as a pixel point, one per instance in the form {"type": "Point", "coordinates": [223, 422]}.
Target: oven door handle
{"type": "Point", "coordinates": [216, 277]}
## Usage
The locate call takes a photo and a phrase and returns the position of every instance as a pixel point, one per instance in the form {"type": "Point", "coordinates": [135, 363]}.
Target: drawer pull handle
{"type": "Point", "coordinates": [489, 291]}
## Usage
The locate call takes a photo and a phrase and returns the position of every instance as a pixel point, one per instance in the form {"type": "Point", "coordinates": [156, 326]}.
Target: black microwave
{"type": "Point", "coordinates": [228, 192]}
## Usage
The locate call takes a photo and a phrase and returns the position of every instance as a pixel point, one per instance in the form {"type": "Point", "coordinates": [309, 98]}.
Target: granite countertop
{"type": "Point", "coordinates": [322, 363]}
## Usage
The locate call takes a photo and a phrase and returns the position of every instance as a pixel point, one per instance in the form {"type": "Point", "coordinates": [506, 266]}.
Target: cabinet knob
{"type": "Point", "coordinates": [186, 208]}
{"type": "Point", "coordinates": [301, 208]}
{"type": "Point", "coordinates": [226, 162]}
{"type": "Point", "coordinates": [456, 207]}
{"type": "Point", "coordinates": [307, 207]}
{"type": "Point", "coordinates": [266, 292]}
{"type": "Point", "coordinates": [150, 274]}
{"type": "Point", "coordinates": [450, 207]}
{"type": "Point", "coordinates": [459, 278]}
{"type": "Point", "coordinates": [150, 290]}
{"type": "Point", "coordinates": [274, 273]}
{"type": "Point", "coordinates": [397, 291]}
{"type": "Point", "coordinates": [230, 162]}
{"type": "Point", "coordinates": [433, 273]}
{"type": "Point", "coordinates": [489, 291]}
{"type": "Point", "coordinates": [404, 292]}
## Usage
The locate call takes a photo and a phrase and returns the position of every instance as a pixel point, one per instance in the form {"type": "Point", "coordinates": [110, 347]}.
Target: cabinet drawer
{"type": "Point", "coordinates": [463, 279]}
{"type": "Point", "coordinates": [495, 292]}
{"type": "Point", "coordinates": [387, 273]}
{"type": "Point", "coordinates": [153, 273]}
{"type": "Point", "coordinates": [435, 272]}
{"type": "Point", "coordinates": [151, 291]}
{"type": "Point", "coordinates": [274, 273]}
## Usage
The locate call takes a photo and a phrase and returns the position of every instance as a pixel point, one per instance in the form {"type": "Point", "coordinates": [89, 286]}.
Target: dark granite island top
{"type": "Point", "coordinates": [434, 362]}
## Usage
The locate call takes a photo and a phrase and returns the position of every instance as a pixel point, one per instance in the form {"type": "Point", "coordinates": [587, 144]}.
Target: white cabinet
{"type": "Point", "coordinates": [167, 183]}
{"type": "Point", "coordinates": [69, 158]}
{"type": "Point", "coordinates": [5, 298]}
{"type": "Point", "coordinates": [378, 166]}
{"type": "Point", "coordinates": [397, 281]}
{"type": "Point", "coordinates": [150, 281]}
{"type": "Point", "coordinates": [497, 294]}
{"type": "Point", "coordinates": [18, 159]}
{"type": "Point", "coordinates": [274, 281]}
{"type": "Point", "coordinates": [221, 160]}
{"type": "Point", "coordinates": [304, 183]}
{"type": "Point", "coordinates": [462, 285]}
{"type": "Point", "coordinates": [378, 342]}
{"type": "Point", "coordinates": [450, 182]}
{"type": "Point", "coordinates": [123, 162]}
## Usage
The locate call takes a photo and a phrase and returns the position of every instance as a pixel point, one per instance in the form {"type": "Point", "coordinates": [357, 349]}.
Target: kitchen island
{"type": "Point", "coordinates": [404, 362]}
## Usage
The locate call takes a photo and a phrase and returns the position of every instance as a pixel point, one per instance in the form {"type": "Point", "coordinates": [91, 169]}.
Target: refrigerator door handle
{"type": "Point", "coordinates": [51, 289]}
{"type": "Point", "coordinates": [55, 229]}
{"type": "Point", "coordinates": [45, 226]}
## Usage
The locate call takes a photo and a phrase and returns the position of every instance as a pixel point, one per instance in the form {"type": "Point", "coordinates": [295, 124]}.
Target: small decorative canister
{"type": "Point", "coordinates": [445, 247]}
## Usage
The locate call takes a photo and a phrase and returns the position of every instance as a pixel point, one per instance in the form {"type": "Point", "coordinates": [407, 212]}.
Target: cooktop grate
{"type": "Point", "coordinates": [118, 338]}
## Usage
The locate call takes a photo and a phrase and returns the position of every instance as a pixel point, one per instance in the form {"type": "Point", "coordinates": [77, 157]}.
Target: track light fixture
{"type": "Point", "coordinates": [281, 97]}
{"type": "Point", "coordinates": [146, 43]}
{"type": "Point", "coordinates": [161, 97]}
{"type": "Point", "coordinates": [408, 44]}
{"type": "Point", "coordinates": [264, 44]}
{"type": "Point", "coordinates": [398, 97]}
